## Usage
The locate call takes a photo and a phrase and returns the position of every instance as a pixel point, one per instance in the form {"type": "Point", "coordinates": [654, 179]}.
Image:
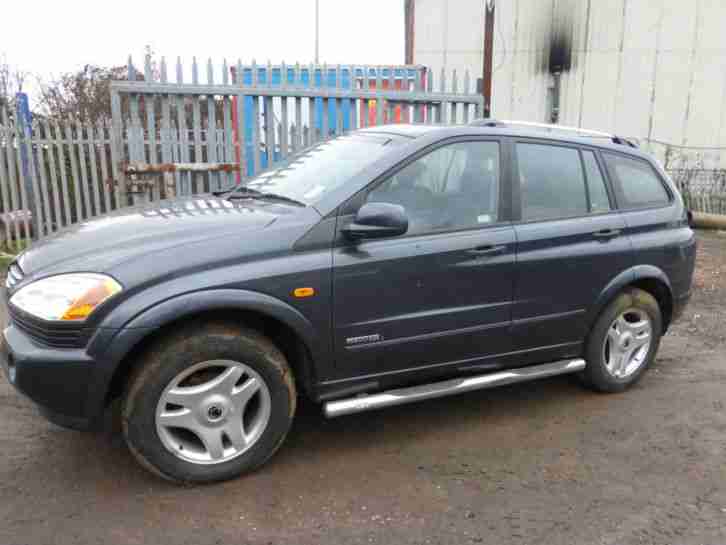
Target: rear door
{"type": "Point", "coordinates": [570, 243]}
{"type": "Point", "coordinates": [438, 297]}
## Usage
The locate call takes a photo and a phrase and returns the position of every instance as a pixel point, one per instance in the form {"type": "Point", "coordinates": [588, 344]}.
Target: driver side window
{"type": "Point", "coordinates": [453, 187]}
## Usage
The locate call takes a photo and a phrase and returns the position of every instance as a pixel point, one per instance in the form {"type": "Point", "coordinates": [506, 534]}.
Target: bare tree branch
{"type": "Point", "coordinates": [12, 80]}
{"type": "Point", "coordinates": [84, 95]}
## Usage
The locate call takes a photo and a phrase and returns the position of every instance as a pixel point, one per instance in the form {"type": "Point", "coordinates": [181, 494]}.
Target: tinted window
{"type": "Point", "coordinates": [453, 187]}
{"type": "Point", "coordinates": [599, 201]}
{"type": "Point", "coordinates": [638, 184]}
{"type": "Point", "coordinates": [308, 175]}
{"type": "Point", "coordinates": [552, 183]}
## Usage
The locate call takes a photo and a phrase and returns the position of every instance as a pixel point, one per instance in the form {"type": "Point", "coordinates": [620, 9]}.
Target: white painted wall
{"type": "Point", "coordinates": [445, 38]}
{"type": "Point", "coordinates": [650, 69]}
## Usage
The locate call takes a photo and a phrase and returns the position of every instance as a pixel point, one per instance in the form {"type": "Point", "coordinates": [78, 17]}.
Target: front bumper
{"type": "Point", "coordinates": [56, 379]}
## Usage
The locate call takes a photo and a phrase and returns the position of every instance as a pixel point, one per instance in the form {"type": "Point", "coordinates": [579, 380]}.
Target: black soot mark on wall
{"type": "Point", "coordinates": [560, 51]}
{"type": "Point", "coordinates": [558, 44]}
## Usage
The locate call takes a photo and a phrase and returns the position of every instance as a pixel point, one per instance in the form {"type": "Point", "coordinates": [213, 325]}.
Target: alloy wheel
{"type": "Point", "coordinates": [627, 343]}
{"type": "Point", "coordinates": [213, 412]}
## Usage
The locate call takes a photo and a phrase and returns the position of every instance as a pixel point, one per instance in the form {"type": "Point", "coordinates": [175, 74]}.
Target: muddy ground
{"type": "Point", "coordinates": [545, 462]}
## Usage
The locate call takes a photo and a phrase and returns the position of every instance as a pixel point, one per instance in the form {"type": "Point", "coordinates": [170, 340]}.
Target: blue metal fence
{"type": "Point", "coordinates": [319, 77]}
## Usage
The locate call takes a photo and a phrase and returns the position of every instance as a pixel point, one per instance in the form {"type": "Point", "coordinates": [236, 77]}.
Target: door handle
{"type": "Point", "coordinates": [606, 233]}
{"type": "Point", "coordinates": [487, 250]}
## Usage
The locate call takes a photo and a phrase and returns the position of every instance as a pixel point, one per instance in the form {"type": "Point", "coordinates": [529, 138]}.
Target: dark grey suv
{"type": "Point", "coordinates": [394, 264]}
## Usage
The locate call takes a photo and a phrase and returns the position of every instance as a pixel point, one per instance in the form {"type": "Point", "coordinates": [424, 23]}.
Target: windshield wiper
{"type": "Point", "coordinates": [238, 193]}
{"type": "Point", "coordinates": [224, 192]}
{"type": "Point", "coordinates": [249, 193]}
{"type": "Point", "coordinates": [282, 198]}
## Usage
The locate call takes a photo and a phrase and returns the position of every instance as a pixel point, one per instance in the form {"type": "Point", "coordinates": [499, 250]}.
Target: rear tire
{"type": "Point", "coordinates": [623, 342]}
{"type": "Point", "coordinates": [208, 403]}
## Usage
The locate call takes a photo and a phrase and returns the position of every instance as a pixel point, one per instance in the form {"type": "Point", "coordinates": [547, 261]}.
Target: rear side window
{"type": "Point", "coordinates": [599, 200]}
{"type": "Point", "coordinates": [552, 182]}
{"type": "Point", "coordinates": [638, 185]}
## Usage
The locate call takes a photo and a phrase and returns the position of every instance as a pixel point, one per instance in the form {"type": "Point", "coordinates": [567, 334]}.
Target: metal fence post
{"type": "Point", "coordinates": [117, 151]}
{"type": "Point", "coordinates": [24, 120]}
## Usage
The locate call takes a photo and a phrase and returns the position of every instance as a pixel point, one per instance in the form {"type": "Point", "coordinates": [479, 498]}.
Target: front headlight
{"type": "Point", "coordinates": [66, 297]}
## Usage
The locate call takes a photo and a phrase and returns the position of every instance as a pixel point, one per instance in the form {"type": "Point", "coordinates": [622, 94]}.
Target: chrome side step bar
{"type": "Point", "coordinates": [360, 403]}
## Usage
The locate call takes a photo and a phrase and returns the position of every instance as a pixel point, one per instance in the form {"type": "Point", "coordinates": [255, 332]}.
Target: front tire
{"type": "Point", "coordinates": [208, 403]}
{"type": "Point", "coordinates": [623, 342]}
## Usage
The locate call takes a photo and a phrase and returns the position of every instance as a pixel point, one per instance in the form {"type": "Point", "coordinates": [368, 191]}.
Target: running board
{"type": "Point", "coordinates": [400, 396]}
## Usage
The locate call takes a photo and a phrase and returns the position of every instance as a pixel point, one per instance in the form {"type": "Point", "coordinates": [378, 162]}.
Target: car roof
{"type": "Point", "coordinates": [403, 129]}
{"type": "Point", "coordinates": [515, 129]}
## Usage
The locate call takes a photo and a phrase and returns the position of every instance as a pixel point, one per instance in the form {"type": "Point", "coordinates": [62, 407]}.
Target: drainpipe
{"type": "Point", "coordinates": [409, 9]}
{"type": "Point", "coordinates": [488, 56]}
{"type": "Point", "coordinates": [555, 112]}
{"type": "Point", "coordinates": [317, 33]}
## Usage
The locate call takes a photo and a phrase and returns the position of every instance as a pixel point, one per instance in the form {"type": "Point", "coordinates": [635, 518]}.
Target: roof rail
{"type": "Point", "coordinates": [486, 122]}
{"type": "Point", "coordinates": [587, 133]}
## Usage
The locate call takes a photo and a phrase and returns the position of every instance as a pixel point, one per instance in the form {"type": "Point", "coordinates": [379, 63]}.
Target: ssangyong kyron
{"type": "Point", "coordinates": [394, 264]}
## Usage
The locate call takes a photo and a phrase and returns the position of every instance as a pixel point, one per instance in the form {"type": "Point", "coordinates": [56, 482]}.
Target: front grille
{"type": "Point", "coordinates": [53, 334]}
{"type": "Point", "coordinates": [15, 275]}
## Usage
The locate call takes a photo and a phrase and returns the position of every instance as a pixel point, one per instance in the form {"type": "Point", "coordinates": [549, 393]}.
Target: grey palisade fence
{"type": "Point", "coordinates": [204, 129]}
{"type": "Point", "coordinates": [52, 175]}
{"type": "Point", "coordinates": [207, 135]}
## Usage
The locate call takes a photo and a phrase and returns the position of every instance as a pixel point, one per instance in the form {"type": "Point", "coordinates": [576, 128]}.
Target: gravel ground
{"type": "Point", "coordinates": [544, 462]}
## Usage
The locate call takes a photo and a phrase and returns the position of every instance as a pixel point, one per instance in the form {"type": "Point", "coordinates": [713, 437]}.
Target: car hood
{"type": "Point", "coordinates": [102, 243]}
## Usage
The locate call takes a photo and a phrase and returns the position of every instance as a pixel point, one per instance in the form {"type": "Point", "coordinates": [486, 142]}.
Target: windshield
{"type": "Point", "coordinates": [317, 170]}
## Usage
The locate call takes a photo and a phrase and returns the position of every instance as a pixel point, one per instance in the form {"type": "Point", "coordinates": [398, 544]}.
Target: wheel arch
{"type": "Point", "coordinates": [646, 277]}
{"type": "Point", "coordinates": [283, 324]}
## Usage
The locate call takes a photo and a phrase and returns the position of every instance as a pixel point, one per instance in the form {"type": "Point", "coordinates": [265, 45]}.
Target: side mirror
{"type": "Point", "coordinates": [377, 220]}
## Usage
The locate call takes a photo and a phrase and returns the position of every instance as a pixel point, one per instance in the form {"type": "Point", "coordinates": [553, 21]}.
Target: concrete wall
{"type": "Point", "coordinates": [445, 38]}
{"type": "Point", "coordinates": [651, 69]}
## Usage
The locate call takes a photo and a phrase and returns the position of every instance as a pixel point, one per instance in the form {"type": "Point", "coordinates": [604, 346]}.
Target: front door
{"type": "Point", "coordinates": [440, 295]}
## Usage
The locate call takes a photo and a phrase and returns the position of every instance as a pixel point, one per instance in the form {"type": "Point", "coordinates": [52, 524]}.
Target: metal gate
{"type": "Point", "coordinates": [184, 137]}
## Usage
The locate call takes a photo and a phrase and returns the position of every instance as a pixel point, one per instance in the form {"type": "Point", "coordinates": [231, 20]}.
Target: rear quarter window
{"type": "Point", "coordinates": [637, 184]}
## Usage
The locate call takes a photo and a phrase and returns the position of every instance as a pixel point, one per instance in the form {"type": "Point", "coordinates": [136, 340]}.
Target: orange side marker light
{"type": "Point", "coordinates": [303, 292]}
